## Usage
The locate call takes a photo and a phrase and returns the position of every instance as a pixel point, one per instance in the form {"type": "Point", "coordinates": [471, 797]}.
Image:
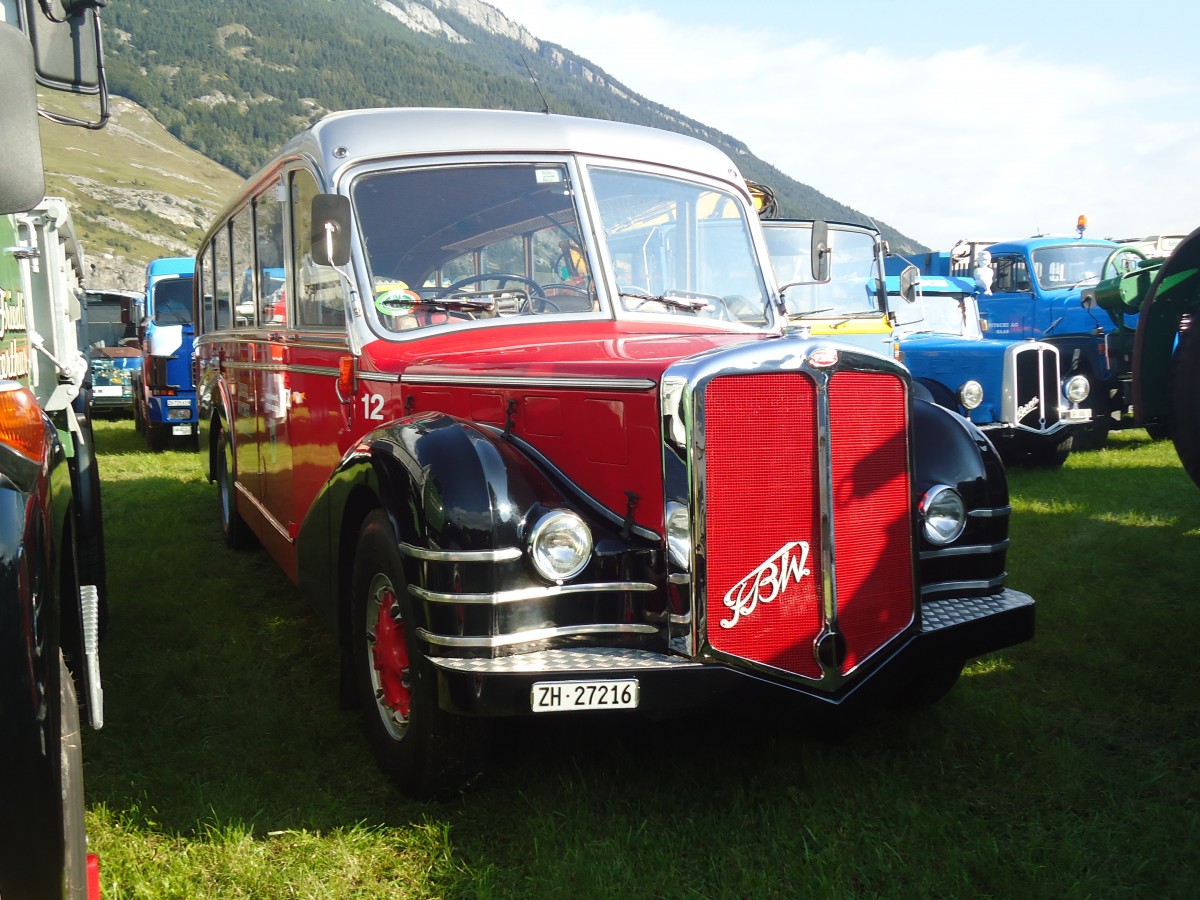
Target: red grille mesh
{"type": "Point", "coordinates": [763, 509]}
{"type": "Point", "coordinates": [872, 525]}
{"type": "Point", "coordinates": [761, 482]}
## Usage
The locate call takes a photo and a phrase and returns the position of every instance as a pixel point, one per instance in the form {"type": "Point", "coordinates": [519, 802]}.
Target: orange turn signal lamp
{"type": "Point", "coordinates": [21, 424]}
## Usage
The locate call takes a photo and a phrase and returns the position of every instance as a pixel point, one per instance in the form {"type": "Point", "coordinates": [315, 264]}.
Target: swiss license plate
{"type": "Point", "coordinates": [107, 390]}
{"type": "Point", "coordinates": [181, 429]}
{"type": "Point", "coordinates": [571, 696]}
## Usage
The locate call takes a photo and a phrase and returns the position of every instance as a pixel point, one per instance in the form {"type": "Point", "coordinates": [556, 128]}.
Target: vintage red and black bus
{"type": "Point", "coordinates": [513, 399]}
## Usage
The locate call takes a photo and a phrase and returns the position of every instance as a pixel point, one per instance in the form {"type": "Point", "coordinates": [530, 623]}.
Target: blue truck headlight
{"type": "Point", "coordinates": [1076, 388]}
{"type": "Point", "coordinates": [943, 514]}
{"type": "Point", "coordinates": [970, 394]}
{"type": "Point", "coordinates": [560, 545]}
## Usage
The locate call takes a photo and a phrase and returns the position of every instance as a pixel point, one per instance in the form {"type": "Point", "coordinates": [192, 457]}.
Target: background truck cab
{"type": "Point", "coordinates": [1036, 292]}
{"type": "Point", "coordinates": [164, 391]}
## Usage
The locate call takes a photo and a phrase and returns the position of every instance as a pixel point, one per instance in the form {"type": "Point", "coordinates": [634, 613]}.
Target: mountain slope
{"type": "Point", "coordinates": [234, 79]}
{"type": "Point", "coordinates": [135, 191]}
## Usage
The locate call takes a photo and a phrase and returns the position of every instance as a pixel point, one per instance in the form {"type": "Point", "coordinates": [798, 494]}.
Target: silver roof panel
{"type": "Point", "coordinates": [371, 134]}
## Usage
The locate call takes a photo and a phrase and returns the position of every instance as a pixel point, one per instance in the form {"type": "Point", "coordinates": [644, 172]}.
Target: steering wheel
{"type": "Point", "coordinates": [1113, 259]}
{"type": "Point", "coordinates": [536, 299]}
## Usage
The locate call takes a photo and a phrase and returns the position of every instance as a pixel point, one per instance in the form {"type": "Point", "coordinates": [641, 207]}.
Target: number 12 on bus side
{"type": "Point", "coordinates": [565, 696]}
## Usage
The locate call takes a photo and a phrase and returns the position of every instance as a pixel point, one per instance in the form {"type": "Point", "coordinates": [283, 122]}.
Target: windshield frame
{"type": "Point", "coordinates": [594, 248]}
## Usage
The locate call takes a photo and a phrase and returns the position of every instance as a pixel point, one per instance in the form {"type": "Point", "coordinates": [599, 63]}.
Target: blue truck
{"type": "Point", "coordinates": [1015, 391]}
{"type": "Point", "coordinates": [164, 391]}
{"type": "Point", "coordinates": [1036, 291]}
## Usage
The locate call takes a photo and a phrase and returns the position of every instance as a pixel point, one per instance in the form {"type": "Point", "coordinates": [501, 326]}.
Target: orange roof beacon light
{"type": "Point", "coordinates": [1081, 225]}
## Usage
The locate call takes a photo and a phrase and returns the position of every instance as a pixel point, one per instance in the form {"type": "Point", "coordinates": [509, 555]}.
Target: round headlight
{"type": "Point", "coordinates": [944, 514]}
{"type": "Point", "coordinates": [1076, 389]}
{"type": "Point", "coordinates": [679, 534]}
{"type": "Point", "coordinates": [970, 395]}
{"type": "Point", "coordinates": [560, 545]}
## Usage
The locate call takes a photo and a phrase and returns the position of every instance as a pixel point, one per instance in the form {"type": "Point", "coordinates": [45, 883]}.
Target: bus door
{"type": "Point", "coordinates": [272, 381]}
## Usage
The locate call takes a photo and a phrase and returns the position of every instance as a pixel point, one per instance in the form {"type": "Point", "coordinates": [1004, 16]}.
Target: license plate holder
{"type": "Point", "coordinates": [582, 696]}
{"type": "Point", "coordinates": [181, 430]}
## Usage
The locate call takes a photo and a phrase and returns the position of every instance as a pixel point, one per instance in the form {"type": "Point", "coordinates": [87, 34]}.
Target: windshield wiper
{"type": "Point", "coordinates": [671, 298]}
{"type": "Point", "coordinates": [809, 312]}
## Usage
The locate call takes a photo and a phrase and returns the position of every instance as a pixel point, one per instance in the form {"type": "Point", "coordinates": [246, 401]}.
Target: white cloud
{"type": "Point", "coordinates": [973, 141]}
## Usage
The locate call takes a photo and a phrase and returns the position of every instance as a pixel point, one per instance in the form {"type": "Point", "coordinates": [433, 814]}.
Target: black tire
{"type": "Point", "coordinates": [1185, 397]}
{"type": "Point", "coordinates": [139, 420]}
{"type": "Point", "coordinates": [70, 782]}
{"type": "Point", "coordinates": [425, 750]}
{"type": "Point", "coordinates": [1052, 456]}
{"type": "Point", "coordinates": [44, 848]}
{"type": "Point", "coordinates": [156, 437]}
{"type": "Point", "coordinates": [234, 530]}
{"type": "Point", "coordinates": [930, 684]}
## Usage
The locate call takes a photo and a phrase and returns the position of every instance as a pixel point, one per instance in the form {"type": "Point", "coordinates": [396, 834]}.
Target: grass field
{"type": "Point", "coordinates": [1066, 767]}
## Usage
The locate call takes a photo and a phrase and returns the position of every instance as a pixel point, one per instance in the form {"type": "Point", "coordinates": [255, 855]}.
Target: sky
{"type": "Point", "coordinates": [947, 121]}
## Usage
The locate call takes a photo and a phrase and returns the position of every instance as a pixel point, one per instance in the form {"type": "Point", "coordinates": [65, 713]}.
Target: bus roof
{"type": "Point", "coordinates": [352, 136]}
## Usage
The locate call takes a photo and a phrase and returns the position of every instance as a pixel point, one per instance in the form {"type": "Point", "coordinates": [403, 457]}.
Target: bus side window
{"type": "Point", "coordinates": [223, 279]}
{"type": "Point", "coordinates": [318, 288]}
{"type": "Point", "coordinates": [268, 228]}
{"type": "Point", "coordinates": [243, 266]}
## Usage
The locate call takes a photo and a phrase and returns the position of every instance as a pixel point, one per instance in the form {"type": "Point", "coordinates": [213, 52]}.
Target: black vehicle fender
{"type": "Point", "coordinates": [948, 449]}
{"type": "Point", "coordinates": [444, 483]}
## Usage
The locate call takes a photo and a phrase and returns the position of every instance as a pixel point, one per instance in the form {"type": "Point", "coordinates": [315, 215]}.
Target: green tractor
{"type": "Point", "coordinates": [1165, 292]}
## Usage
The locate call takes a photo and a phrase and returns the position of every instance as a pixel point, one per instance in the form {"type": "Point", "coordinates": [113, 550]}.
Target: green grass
{"type": "Point", "coordinates": [1066, 767]}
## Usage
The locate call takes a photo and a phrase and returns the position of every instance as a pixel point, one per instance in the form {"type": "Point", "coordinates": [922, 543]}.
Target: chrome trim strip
{"type": "Point", "coordinates": [499, 597]}
{"type": "Point", "coordinates": [377, 376]}
{"type": "Point", "coordinates": [992, 513]}
{"type": "Point", "coordinates": [501, 555]}
{"type": "Point", "coordinates": [966, 550]}
{"type": "Point", "coordinates": [526, 637]}
{"type": "Point", "coordinates": [280, 367]}
{"type": "Point", "coordinates": [583, 660]}
{"type": "Point", "coordinates": [529, 381]}
{"type": "Point", "coordinates": [990, 584]}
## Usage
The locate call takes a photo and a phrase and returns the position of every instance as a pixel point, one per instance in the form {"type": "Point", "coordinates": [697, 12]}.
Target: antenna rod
{"type": "Point", "coordinates": [545, 105]}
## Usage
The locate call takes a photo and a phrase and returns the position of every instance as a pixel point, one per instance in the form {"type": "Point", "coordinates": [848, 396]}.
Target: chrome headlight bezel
{"type": "Point", "coordinates": [970, 394]}
{"type": "Point", "coordinates": [560, 545]}
{"type": "Point", "coordinates": [943, 515]}
{"type": "Point", "coordinates": [1076, 389]}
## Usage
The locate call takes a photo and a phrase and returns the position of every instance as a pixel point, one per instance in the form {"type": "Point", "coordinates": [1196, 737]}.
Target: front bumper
{"type": "Point", "coordinates": [955, 629]}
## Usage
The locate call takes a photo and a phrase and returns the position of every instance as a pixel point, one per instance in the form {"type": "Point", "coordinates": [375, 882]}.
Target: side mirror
{"type": "Point", "coordinates": [330, 230]}
{"type": "Point", "coordinates": [820, 251]}
{"type": "Point", "coordinates": [65, 35]}
{"type": "Point", "coordinates": [1087, 299]}
{"type": "Point", "coordinates": [910, 277]}
{"type": "Point", "coordinates": [22, 184]}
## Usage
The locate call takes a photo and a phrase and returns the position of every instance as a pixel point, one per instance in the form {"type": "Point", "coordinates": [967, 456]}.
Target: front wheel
{"type": "Point", "coordinates": [71, 786]}
{"type": "Point", "coordinates": [426, 751]}
{"type": "Point", "coordinates": [1185, 400]}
